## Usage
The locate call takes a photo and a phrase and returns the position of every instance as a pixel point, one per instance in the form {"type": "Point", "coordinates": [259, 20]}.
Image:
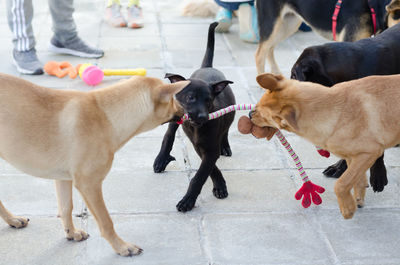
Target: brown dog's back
{"type": "Point", "coordinates": [373, 104]}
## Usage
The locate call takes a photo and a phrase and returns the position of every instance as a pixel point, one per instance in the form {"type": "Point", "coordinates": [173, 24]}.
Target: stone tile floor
{"type": "Point", "coordinates": [259, 223]}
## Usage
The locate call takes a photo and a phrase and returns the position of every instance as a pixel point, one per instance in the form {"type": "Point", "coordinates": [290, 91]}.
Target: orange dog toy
{"type": "Point", "coordinates": [61, 69]}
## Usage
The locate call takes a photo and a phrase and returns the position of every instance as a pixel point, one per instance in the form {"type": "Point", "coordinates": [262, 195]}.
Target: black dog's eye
{"type": "Point", "coordinates": [191, 98]}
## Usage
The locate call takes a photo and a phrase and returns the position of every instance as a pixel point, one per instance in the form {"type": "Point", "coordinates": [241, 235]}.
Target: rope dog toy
{"type": "Point", "coordinates": [309, 191]}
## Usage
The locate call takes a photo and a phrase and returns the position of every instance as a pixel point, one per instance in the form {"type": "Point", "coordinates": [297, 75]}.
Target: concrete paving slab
{"type": "Point", "coordinates": [287, 239]}
{"type": "Point", "coordinates": [41, 242]}
{"type": "Point", "coordinates": [166, 239]}
{"type": "Point", "coordinates": [29, 196]}
{"type": "Point", "coordinates": [252, 191]}
{"type": "Point", "coordinates": [143, 191]}
{"type": "Point", "coordinates": [367, 229]}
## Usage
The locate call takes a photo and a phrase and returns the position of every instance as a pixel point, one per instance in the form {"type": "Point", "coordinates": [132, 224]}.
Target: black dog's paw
{"type": "Point", "coordinates": [161, 163]}
{"type": "Point", "coordinates": [336, 170]}
{"type": "Point", "coordinates": [186, 204]}
{"type": "Point", "coordinates": [220, 193]}
{"type": "Point", "coordinates": [226, 151]}
{"type": "Point", "coordinates": [378, 179]}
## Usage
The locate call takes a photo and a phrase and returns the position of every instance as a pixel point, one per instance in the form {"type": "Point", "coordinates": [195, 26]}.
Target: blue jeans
{"type": "Point", "coordinates": [232, 6]}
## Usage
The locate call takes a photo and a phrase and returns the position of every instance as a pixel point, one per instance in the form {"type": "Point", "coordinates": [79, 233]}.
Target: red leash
{"type": "Point", "coordinates": [373, 15]}
{"type": "Point", "coordinates": [336, 13]}
{"type": "Point", "coordinates": [334, 18]}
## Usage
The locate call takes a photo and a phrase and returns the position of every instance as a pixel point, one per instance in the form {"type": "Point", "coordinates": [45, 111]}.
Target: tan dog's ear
{"type": "Point", "coordinates": [269, 81]}
{"type": "Point", "coordinates": [288, 114]}
{"type": "Point", "coordinates": [174, 77]}
{"type": "Point", "coordinates": [169, 90]}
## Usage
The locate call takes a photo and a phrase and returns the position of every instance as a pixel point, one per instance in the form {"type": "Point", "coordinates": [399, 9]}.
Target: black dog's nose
{"type": "Point", "coordinates": [202, 117]}
{"type": "Point", "coordinates": [251, 113]}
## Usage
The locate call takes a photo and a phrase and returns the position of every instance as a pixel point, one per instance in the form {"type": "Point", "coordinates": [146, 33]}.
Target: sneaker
{"type": "Point", "coordinates": [75, 47]}
{"type": "Point", "coordinates": [248, 24]}
{"type": "Point", "coordinates": [135, 17]}
{"type": "Point", "coordinates": [27, 62]}
{"type": "Point", "coordinates": [114, 16]}
{"type": "Point", "coordinates": [224, 19]}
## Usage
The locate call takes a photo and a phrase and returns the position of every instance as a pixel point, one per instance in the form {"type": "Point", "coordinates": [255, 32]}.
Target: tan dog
{"type": "Point", "coordinates": [355, 120]}
{"type": "Point", "coordinates": [71, 136]}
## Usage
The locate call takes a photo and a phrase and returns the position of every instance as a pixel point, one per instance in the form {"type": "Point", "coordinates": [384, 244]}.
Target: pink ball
{"type": "Point", "coordinates": [92, 75]}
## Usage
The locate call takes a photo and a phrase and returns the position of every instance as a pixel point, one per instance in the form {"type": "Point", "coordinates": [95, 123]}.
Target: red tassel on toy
{"type": "Point", "coordinates": [324, 153]}
{"type": "Point", "coordinates": [309, 191]}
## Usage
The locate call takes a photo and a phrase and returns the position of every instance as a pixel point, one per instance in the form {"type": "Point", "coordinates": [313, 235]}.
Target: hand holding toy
{"type": "Point", "coordinates": [93, 75]}
{"type": "Point", "coordinates": [61, 69]}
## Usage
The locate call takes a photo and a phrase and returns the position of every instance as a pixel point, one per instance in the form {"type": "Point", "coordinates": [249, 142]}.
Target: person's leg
{"type": "Point", "coordinates": [135, 14]}
{"type": "Point", "coordinates": [114, 16]}
{"type": "Point", "coordinates": [224, 15]}
{"type": "Point", "coordinates": [248, 24]}
{"type": "Point", "coordinates": [65, 39]}
{"type": "Point", "coordinates": [231, 6]}
{"type": "Point", "coordinates": [19, 15]}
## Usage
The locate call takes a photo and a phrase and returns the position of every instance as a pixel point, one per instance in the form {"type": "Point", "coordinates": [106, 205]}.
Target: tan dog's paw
{"type": "Point", "coordinates": [18, 222]}
{"type": "Point", "coordinates": [77, 235]}
{"type": "Point", "coordinates": [359, 198]}
{"type": "Point", "coordinates": [359, 191]}
{"type": "Point", "coordinates": [347, 205]}
{"type": "Point", "coordinates": [127, 250]}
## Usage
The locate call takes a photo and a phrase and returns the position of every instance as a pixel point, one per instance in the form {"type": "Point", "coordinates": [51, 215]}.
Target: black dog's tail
{"type": "Point", "coordinates": [209, 56]}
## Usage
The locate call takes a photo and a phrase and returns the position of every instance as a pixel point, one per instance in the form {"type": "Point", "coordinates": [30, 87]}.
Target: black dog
{"type": "Point", "coordinates": [207, 92]}
{"type": "Point", "coordinates": [280, 19]}
{"type": "Point", "coordinates": [337, 62]}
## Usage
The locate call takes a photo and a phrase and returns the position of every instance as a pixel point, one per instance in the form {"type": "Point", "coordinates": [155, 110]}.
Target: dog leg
{"type": "Point", "coordinates": [357, 167]}
{"type": "Point", "coordinates": [225, 147]}
{"type": "Point", "coordinates": [359, 191]}
{"type": "Point", "coordinates": [283, 28]}
{"type": "Point", "coordinates": [163, 158]}
{"type": "Point", "coordinates": [65, 205]}
{"type": "Point", "coordinates": [196, 184]}
{"type": "Point", "coordinates": [378, 175]}
{"type": "Point", "coordinates": [220, 191]}
{"type": "Point", "coordinates": [12, 220]}
{"type": "Point", "coordinates": [92, 193]}
{"type": "Point", "coordinates": [336, 170]}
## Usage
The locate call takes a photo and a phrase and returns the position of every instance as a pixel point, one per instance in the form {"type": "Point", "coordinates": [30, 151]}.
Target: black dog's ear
{"type": "Point", "coordinates": [312, 72]}
{"type": "Point", "coordinates": [300, 73]}
{"type": "Point", "coordinates": [174, 77]}
{"type": "Point", "coordinates": [219, 86]}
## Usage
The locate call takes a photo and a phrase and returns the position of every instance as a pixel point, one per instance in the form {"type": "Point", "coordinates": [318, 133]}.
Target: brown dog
{"type": "Point", "coordinates": [355, 120]}
{"type": "Point", "coordinates": [71, 136]}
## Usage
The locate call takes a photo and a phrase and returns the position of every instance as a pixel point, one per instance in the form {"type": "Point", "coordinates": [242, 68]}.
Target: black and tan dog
{"type": "Point", "coordinates": [280, 19]}
{"type": "Point", "coordinates": [207, 92]}
{"type": "Point", "coordinates": [337, 62]}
